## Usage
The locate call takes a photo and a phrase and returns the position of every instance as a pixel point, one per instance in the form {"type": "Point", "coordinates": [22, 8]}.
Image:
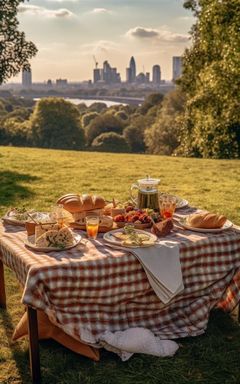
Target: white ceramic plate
{"type": "Point", "coordinates": [180, 203]}
{"type": "Point", "coordinates": [110, 238]}
{"type": "Point", "coordinates": [8, 219]}
{"type": "Point", "coordinates": [226, 226]}
{"type": "Point", "coordinates": [30, 242]}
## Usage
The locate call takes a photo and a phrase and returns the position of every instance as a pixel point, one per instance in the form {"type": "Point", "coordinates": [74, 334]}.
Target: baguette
{"type": "Point", "coordinates": [74, 203]}
{"type": "Point", "coordinates": [206, 220]}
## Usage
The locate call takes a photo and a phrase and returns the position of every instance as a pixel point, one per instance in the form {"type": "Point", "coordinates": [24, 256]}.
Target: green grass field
{"type": "Point", "coordinates": [36, 178]}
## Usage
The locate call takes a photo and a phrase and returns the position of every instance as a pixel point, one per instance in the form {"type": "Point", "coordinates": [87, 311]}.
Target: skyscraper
{"type": "Point", "coordinates": [107, 74]}
{"type": "Point", "coordinates": [27, 78]}
{"type": "Point", "coordinates": [96, 75]}
{"type": "Point", "coordinates": [177, 67]}
{"type": "Point", "coordinates": [132, 66]}
{"type": "Point", "coordinates": [131, 71]}
{"type": "Point", "coordinates": [156, 74]}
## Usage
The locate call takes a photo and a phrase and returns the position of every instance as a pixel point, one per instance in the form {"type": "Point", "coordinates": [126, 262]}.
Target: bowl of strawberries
{"type": "Point", "coordinates": [139, 218]}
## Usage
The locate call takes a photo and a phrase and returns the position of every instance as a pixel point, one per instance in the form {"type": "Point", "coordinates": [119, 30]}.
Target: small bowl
{"type": "Point", "coordinates": [30, 228]}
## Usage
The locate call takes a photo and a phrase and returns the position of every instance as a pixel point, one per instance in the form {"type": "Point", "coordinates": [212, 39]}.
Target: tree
{"type": "Point", "coordinates": [121, 115]}
{"type": "Point", "coordinates": [110, 142]}
{"type": "Point", "coordinates": [101, 124]}
{"type": "Point", "coordinates": [151, 101]}
{"type": "Point", "coordinates": [15, 132]}
{"type": "Point", "coordinates": [97, 107]}
{"type": "Point", "coordinates": [134, 136]}
{"type": "Point", "coordinates": [15, 51]}
{"type": "Point", "coordinates": [88, 117]}
{"type": "Point", "coordinates": [56, 124]}
{"type": "Point", "coordinates": [163, 136]}
{"type": "Point", "coordinates": [211, 81]}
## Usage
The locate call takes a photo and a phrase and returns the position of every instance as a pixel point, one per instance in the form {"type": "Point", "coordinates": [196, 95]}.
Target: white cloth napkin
{"type": "Point", "coordinates": [161, 263]}
{"type": "Point", "coordinates": [137, 340]}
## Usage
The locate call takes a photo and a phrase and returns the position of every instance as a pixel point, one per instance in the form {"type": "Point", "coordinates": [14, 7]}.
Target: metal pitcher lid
{"type": "Point", "coordinates": [148, 181]}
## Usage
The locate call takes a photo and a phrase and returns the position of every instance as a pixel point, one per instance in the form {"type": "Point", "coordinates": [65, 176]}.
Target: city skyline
{"type": "Point", "coordinates": [68, 33]}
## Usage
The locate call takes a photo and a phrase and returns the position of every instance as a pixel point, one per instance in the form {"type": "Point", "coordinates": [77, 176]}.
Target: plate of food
{"type": "Point", "coordinates": [130, 237]}
{"type": "Point", "coordinates": [206, 222]}
{"type": "Point", "coordinates": [19, 216]}
{"type": "Point", "coordinates": [180, 203]}
{"type": "Point", "coordinates": [139, 218]}
{"type": "Point", "coordinates": [54, 240]}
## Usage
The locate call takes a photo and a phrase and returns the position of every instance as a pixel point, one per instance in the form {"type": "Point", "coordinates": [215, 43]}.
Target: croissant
{"type": "Point", "coordinates": [206, 220]}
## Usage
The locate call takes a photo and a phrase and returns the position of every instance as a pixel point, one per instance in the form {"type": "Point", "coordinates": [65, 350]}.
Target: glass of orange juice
{"type": "Point", "coordinates": [167, 205]}
{"type": "Point", "coordinates": [92, 224]}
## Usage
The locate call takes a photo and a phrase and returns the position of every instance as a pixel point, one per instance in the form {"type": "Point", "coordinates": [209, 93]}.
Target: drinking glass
{"type": "Point", "coordinates": [167, 205]}
{"type": "Point", "coordinates": [92, 224]}
{"type": "Point", "coordinates": [60, 215]}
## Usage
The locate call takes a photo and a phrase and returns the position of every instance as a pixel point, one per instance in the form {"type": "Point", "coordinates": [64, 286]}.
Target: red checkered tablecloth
{"type": "Point", "coordinates": [93, 288]}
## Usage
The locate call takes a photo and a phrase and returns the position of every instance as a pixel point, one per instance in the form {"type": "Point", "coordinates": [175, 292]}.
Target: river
{"type": "Point", "coordinates": [88, 102]}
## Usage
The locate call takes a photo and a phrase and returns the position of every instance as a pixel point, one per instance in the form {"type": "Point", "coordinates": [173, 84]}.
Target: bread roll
{"type": "Point", "coordinates": [87, 202]}
{"type": "Point", "coordinates": [206, 220]}
{"type": "Point", "coordinates": [64, 198]}
{"type": "Point", "coordinates": [73, 204]}
{"type": "Point", "coordinates": [98, 202]}
{"type": "Point", "coordinates": [76, 203]}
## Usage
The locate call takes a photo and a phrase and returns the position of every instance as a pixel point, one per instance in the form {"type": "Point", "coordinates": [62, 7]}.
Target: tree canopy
{"type": "Point", "coordinates": [55, 123]}
{"type": "Point", "coordinates": [15, 51]}
{"type": "Point", "coordinates": [211, 81]}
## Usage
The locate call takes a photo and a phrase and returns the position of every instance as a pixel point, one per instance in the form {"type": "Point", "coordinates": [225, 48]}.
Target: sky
{"type": "Point", "coordinates": [68, 33]}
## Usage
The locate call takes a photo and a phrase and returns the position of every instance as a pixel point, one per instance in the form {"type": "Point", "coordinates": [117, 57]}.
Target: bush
{"type": "Point", "coordinates": [101, 124]}
{"type": "Point", "coordinates": [55, 124]}
{"type": "Point", "coordinates": [13, 132]}
{"type": "Point", "coordinates": [110, 142]}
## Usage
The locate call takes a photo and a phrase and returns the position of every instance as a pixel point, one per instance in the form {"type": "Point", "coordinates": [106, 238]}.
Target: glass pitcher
{"type": "Point", "coordinates": [147, 193]}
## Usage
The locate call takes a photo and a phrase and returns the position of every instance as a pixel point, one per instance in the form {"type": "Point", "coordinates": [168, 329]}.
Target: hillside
{"type": "Point", "coordinates": [36, 177]}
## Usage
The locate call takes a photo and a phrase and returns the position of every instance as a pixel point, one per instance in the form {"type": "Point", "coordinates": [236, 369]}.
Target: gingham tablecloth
{"type": "Point", "coordinates": [93, 288]}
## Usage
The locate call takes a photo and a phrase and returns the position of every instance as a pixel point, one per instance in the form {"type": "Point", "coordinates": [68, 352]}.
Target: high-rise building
{"type": "Point", "coordinates": [27, 78]}
{"type": "Point", "coordinates": [61, 83]}
{"type": "Point", "coordinates": [96, 75]}
{"type": "Point", "coordinates": [128, 75]}
{"type": "Point", "coordinates": [156, 74]}
{"type": "Point", "coordinates": [107, 74]}
{"type": "Point", "coordinates": [131, 71]}
{"type": "Point", "coordinates": [132, 66]}
{"type": "Point", "coordinates": [177, 67]}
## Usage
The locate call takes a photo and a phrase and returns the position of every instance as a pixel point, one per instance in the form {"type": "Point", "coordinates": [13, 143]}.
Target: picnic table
{"type": "Point", "coordinates": [93, 288]}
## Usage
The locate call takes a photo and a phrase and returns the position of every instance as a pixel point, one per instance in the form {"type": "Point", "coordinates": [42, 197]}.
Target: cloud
{"type": "Point", "coordinates": [35, 10]}
{"type": "Point", "coordinates": [99, 47]}
{"type": "Point", "coordinates": [142, 33]}
{"type": "Point", "coordinates": [62, 1]}
{"type": "Point", "coordinates": [159, 35]}
{"type": "Point", "coordinates": [100, 11]}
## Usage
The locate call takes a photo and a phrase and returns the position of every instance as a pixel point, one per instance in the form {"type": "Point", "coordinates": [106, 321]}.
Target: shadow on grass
{"type": "Point", "coordinates": [18, 355]}
{"type": "Point", "coordinates": [11, 188]}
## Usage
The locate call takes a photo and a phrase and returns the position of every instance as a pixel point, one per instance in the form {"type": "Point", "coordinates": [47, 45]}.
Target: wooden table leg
{"type": "Point", "coordinates": [34, 345]}
{"type": "Point", "coordinates": [2, 287]}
